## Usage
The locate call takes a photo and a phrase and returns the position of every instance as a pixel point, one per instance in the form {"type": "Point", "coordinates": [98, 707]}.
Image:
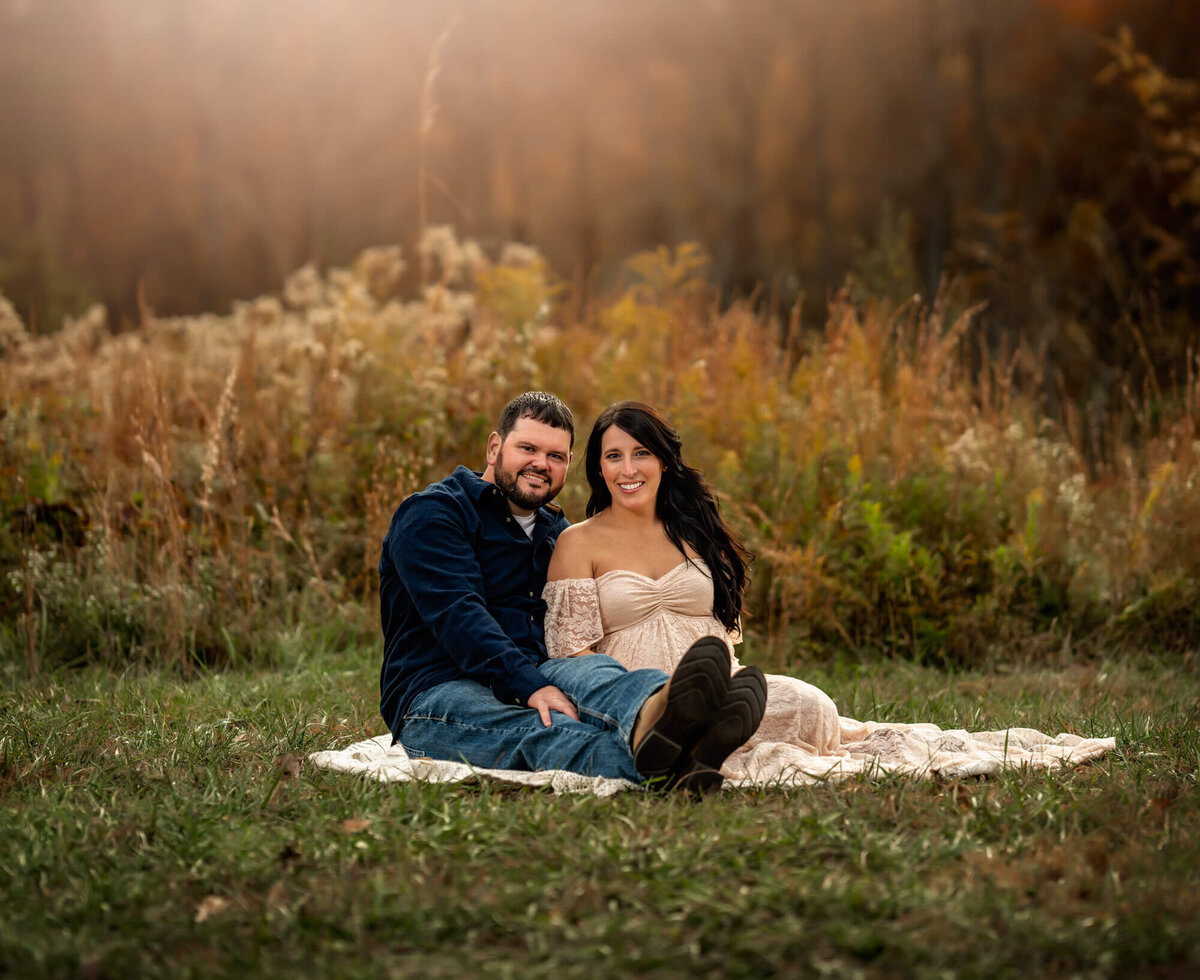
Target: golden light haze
{"type": "Point", "coordinates": [199, 150]}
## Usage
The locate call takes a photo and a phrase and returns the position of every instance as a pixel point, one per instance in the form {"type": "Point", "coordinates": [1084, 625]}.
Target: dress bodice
{"type": "Point", "coordinates": [638, 620]}
{"type": "Point", "coordinates": [629, 598]}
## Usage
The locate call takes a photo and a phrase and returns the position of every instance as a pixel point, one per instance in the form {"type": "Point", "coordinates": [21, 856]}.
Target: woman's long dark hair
{"type": "Point", "coordinates": [686, 504]}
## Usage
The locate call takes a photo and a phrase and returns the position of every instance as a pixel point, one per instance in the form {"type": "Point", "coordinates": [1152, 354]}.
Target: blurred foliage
{"type": "Point", "coordinates": [1036, 155]}
{"type": "Point", "coordinates": [1101, 278]}
{"type": "Point", "coordinates": [165, 492]}
{"type": "Point", "coordinates": [32, 272]}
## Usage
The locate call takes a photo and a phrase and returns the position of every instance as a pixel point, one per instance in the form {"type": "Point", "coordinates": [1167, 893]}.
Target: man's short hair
{"type": "Point", "coordinates": [541, 406]}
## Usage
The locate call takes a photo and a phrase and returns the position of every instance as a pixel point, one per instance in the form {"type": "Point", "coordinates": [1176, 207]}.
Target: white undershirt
{"type": "Point", "coordinates": [527, 523]}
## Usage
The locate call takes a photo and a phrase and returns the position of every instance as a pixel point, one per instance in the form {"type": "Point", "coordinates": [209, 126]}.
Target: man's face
{"type": "Point", "coordinates": [530, 466]}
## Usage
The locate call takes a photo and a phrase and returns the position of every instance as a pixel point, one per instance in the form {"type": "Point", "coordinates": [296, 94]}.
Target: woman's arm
{"type": "Point", "coordinates": [573, 622]}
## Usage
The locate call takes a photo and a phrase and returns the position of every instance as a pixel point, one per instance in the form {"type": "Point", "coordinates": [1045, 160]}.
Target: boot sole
{"type": "Point", "coordinates": [699, 684]}
{"type": "Point", "coordinates": [733, 725]}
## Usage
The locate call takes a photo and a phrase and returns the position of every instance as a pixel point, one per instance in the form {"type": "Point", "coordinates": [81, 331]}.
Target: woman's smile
{"type": "Point", "coordinates": [632, 472]}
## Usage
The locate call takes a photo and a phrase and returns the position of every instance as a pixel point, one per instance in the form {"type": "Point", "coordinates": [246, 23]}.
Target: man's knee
{"type": "Point", "coordinates": [587, 669]}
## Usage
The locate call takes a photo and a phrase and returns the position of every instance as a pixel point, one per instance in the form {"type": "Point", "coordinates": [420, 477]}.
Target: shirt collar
{"type": "Point", "coordinates": [474, 485]}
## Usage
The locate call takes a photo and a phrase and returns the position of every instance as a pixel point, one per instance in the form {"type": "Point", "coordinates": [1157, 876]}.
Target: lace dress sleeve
{"type": "Point", "coordinates": [572, 616]}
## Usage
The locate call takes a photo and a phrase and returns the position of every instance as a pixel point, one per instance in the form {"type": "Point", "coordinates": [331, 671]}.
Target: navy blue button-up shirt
{"type": "Point", "coordinates": [460, 594]}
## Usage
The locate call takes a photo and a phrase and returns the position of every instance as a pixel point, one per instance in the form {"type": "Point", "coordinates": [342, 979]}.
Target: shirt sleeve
{"type": "Point", "coordinates": [572, 616]}
{"type": "Point", "coordinates": [436, 562]}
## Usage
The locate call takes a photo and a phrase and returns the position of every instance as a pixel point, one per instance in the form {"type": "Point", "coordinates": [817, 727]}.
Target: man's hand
{"type": "Point", "coordinates": [548, 698]}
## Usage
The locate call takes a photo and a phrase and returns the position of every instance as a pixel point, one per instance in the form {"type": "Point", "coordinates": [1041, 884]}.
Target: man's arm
{"type": "Point", "coordinates": [436, 561]}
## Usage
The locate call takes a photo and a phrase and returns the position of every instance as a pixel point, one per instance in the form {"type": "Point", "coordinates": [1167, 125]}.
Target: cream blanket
{"type": "Point", "coordinates": [868, 748]}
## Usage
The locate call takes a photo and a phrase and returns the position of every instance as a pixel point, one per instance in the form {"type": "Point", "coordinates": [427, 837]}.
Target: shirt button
{"type": "Point", "coordinates": [530, 595]}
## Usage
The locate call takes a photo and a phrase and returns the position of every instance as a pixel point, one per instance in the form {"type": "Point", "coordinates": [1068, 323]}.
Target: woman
{"type": "Point", "coordinates": [654, 568]}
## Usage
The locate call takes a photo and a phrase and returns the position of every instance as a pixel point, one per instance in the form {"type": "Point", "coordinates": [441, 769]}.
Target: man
{"type": "Point", "coordinates": [465, 674]}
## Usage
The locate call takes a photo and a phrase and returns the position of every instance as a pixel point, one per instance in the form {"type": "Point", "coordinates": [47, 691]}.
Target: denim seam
{"type": "Point", "coordinates": [608, 720]}
{"type": "Point", "coordinates": [490, 728]}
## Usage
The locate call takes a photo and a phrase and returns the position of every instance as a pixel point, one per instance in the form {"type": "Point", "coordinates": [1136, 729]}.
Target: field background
{"type": "Point", "coordinates": [930, 328]}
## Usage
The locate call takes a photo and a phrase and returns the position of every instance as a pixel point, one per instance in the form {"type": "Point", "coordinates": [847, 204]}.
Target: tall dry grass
{"type": "Point", "coordinates": [187, 492]}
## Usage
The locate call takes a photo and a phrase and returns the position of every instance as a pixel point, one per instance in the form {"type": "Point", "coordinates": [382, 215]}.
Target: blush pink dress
{"type": "Point", "coordinates": [646, 622]}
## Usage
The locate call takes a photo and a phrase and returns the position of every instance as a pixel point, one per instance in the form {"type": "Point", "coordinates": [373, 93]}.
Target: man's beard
{"type": "Point", "coordinates": [507, 482]}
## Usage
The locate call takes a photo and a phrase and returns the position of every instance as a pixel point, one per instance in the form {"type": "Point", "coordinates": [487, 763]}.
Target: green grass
{"type": "Point", "coordinates": [154, 826]}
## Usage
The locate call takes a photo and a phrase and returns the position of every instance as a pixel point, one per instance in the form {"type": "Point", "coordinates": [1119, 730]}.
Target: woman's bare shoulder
{"type": "Point", "coordinates": [578, 535]}
{"type": "Point", "coordinates": [573, 553]}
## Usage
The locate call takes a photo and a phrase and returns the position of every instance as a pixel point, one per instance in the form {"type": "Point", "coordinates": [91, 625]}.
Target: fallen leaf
{"type": "Point", "coordinates": [290, 764]}
{"type": "Point", "coordinates": [962, 796]}
{"type": "Point", "coordinates": [211, 905]}
{"type": "Point", "coordinates": [277, 897]}
{"type": "Point", "coordinates": [355, 825]}
{"type": "Point", "coordinates": [1157, 808]}
{"type": "Point", "coordinates": [1097, 850]}
{"type": "Point", "coordinates": [93, 968]}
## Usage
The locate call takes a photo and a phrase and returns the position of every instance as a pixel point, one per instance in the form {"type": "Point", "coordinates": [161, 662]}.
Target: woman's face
{"type": "Point", "coordinates": [631, 472]}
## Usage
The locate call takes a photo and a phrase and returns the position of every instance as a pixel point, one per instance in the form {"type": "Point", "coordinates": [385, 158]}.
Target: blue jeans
{"type": "Point", "coordinates": [462, 721]}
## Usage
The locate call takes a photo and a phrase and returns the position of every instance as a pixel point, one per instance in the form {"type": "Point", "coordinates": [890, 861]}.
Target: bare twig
{"type": "Point", "coordinates": [428, 114]}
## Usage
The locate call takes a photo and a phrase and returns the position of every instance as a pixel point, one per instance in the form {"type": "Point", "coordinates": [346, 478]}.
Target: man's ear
{"type": "Point", "coordinates": [493, 448]}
